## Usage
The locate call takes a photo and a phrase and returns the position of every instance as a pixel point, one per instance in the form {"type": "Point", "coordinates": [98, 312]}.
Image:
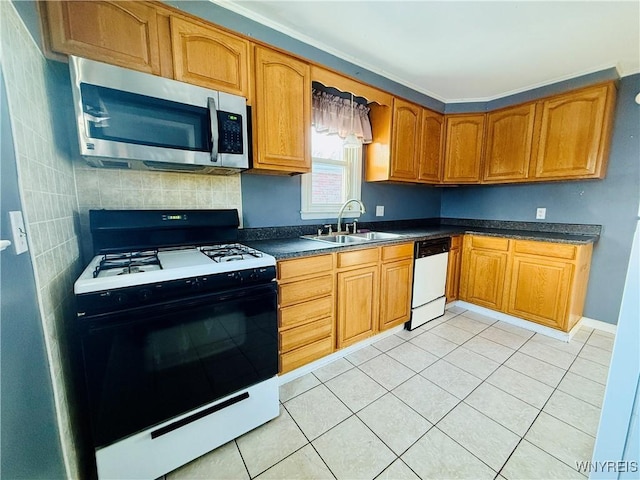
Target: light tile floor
{"type": "Point", "coordinates": [464, 396]}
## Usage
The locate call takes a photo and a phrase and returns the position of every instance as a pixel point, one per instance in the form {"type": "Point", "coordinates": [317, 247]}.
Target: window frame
{"type": "Point", "coordinates": [309, 211]}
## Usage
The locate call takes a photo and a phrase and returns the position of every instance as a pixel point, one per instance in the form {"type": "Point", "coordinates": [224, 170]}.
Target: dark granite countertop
{"type": "Point", "coordinates": [282, 248]}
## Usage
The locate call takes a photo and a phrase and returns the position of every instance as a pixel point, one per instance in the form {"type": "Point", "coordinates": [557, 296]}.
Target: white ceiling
{"type": "Point", "coordinates": [463, 50]}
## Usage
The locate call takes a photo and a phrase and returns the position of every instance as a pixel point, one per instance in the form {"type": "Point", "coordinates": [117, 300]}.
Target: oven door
{"type": "Point", "coordinates": [148, 365]}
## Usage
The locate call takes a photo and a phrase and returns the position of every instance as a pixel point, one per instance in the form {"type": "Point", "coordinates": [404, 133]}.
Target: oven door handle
{"type": "Point", "coordinates": [213, 115]}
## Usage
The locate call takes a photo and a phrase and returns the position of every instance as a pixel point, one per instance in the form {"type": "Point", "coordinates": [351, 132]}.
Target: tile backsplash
{"type": "Point", "coordinates": [47, 186]}
{"type": "Point", "coordinates": [134, 189]}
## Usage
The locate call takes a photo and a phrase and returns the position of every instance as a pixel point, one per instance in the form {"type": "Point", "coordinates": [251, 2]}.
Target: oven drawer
{"type": "Point", "coordinates": [296, 292]}
{"type": "Point", "coordinates": [306, 312]}
{"type": "Point", "coordinates": [306, 334]}
{"type": "Point", "coordinates": [303, 355]}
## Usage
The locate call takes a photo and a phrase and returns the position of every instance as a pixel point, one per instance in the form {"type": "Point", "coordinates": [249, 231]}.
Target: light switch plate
{"type": "Point", "coordinates": [541, 213]}
{"type": "Point", "coordinates": [379, 210]}
{"type": "Point", "coordinates": [18, 232]}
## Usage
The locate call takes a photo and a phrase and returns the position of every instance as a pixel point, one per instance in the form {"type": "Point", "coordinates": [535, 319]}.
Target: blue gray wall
{"type": "Point", "coordinates": [275, 201]}
{"type": "Point", "coordinates": [29, 440]}
{"type": "Point", "coordinates": [612, 203]}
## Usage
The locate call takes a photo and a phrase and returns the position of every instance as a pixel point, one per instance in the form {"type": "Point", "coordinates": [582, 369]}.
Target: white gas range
{"type": "Point", "coordinates": [118, 270]}
{"type": "Point", "coordinates": [177, 324]}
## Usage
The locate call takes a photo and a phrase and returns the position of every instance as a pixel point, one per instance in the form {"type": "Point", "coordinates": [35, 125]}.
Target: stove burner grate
{"type": "Point", "coordinates": [133, 262]}
{"type": "Point", "coordinates": [230, 252]}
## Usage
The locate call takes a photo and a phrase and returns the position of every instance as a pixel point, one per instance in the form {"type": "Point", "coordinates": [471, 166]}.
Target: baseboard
{"type": "Point", "coordinates": [599, 325]}
{"type": "Point", "coordinates": [519, 322]}
{"type": "Point", "coordinates": [535, 327]}
{"type": "Point", "coordinates": [321, 362]}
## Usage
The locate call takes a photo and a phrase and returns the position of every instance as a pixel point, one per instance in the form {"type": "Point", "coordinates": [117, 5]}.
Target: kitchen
{"type": "Point", "coordinates": [51, 195]}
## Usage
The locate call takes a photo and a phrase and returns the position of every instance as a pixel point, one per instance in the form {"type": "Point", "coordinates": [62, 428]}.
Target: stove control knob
{"type": "Point", "coordinates": [121, 298]}
{"type": "Point", "coordinates": [144, 294]}
{"type": "Point", "coordinates": [255, 275]}
{"type": "Point", "coordinates": [235, 276]}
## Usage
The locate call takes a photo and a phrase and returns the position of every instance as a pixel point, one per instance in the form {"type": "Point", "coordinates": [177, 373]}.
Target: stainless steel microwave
{"type": "Point", "coordinates": [129, 119]}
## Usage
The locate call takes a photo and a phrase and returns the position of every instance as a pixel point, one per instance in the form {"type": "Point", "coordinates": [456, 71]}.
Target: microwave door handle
{"type": "Point", "coordinates": [213, 113]}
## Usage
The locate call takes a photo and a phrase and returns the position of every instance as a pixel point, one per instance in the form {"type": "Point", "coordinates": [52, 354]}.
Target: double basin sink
{"type": "Point", "coordinates": [355, 238]}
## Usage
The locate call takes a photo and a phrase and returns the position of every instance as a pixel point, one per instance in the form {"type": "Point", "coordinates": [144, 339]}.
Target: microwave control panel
{"type": "Point", "coordinates": [230, 129]}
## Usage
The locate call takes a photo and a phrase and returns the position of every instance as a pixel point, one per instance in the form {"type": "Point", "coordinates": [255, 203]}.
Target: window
{"type": "Point", "coordinates": [336, 171]}
{"type": "Point", "coordinates": [336, 176]}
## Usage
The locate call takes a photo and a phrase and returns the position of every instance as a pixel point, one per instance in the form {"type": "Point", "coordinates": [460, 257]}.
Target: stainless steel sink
{"type": "Point", "coordinates": [376, 235]}
{"type": "Point", "coordinates": [355, 238]}
{"type": "Point", "coordinates": [340, 239]}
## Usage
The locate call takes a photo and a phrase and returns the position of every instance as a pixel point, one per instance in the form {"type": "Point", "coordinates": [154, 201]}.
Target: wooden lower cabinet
{"type": "Point", "coordinates": [548, 282]}
{"type": "Point", "coordinates": [396, 281]}
{"type": "Point", "coordinates": [306, 320]}
{"type": "Point", "coordinates": [333, 301]}
{"type": "Point", "coordinates": [453, 268]}
{"type": "Point", "coordinates": [357, 291]}
{"type": "Point", "coordinates": [484, 270]}
{"type": "Point", "coordinates": [543, 282]}
{"type": "Point", "coordinates": [357, 314]}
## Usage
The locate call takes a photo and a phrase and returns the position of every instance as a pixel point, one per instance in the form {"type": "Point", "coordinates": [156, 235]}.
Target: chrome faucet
{"type": "Point", "coordinates": [344, 205]}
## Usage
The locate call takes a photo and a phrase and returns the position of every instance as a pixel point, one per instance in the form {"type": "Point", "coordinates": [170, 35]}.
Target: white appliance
{"type": "Point", "coordinates": [429, 280]}
{"type": "Point", "coordinates": [177, 329]}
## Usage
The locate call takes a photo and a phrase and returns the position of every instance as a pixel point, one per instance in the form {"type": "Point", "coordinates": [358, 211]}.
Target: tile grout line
{"type": "Point", "coordinates": [414, 373]}
{"type": "Point", "coordinates": [538, 415]}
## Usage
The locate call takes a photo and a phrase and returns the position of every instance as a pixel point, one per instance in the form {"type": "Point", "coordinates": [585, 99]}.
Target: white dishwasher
{"type": "Point", "coordinates": [429, 280]}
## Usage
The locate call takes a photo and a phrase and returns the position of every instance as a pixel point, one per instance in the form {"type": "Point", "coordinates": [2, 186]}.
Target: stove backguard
{"type": "Point", "coordinates": [130, 230]}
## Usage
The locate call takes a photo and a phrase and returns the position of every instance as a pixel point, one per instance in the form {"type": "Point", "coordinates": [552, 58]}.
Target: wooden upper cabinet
{"type": "Point", "coordinates": [463, 148]}
{"type": "Point", "coordinates": [405, 140]}
{"type": "Point", "coordinates": [431, 136]}
{"type": "Point", "coordinates": [118, 33]}
{"type": "Point", "coordinates": [507, 153]}
{"type": "Point", "coordinates": [209, 57]}
{"type": "Point", "coordinates": [282, 106]}
{"type": "Point", "coordinates": [574, 134]}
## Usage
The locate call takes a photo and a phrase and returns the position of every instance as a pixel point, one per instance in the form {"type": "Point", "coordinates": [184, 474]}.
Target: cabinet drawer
{"type": "Point", "coordinates": [397, 252]}
{"type": "Point", "coordinates": [303, 355]}
{"type": "Point", "coordinates": [296, 292]}
{"type": "Point", "coordinates": [546, 249]}
{"type": "Point", "coordinates": [456, 242]}
{"type": "Point", "coordinates": [305, 334]}
{"type": "Point", "coordinates": [357, 257]}
{"type": "Point", "coordinates": [300, 267]}
{"type": "Point", "coordinates": [491, 243]}
{"type": "Point", "coordinates": [306, 312]}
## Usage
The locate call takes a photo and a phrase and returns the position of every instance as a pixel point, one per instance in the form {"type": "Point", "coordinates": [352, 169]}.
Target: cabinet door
{"type": "Point", "coordinates": [405, 142]}
{"type": "Point", "coordinates": [357, 305]}
{"type": "Point", "coordinates": [508, 146]}
{"type": "Point", "coordinates": [395, 293]}
{"type": "Point", "coordinates": [430, 168]}
{"type": "Point", "coordinates": [282, 126]}
{"type": "Point", "coordinates": [540, 290]}
{"type": "Point", "coordinates": [463, 148]}
{"type": "Point", "coordinates": [118, 33]}
{"type": "Point", "coordinates": [209, 57]}
{"type": "Point", "coordinates": [483, 275]}
{"type": "Point", "coordinates": [574, 134]}
{"type": "Point", "coordinates": [453, 272]}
